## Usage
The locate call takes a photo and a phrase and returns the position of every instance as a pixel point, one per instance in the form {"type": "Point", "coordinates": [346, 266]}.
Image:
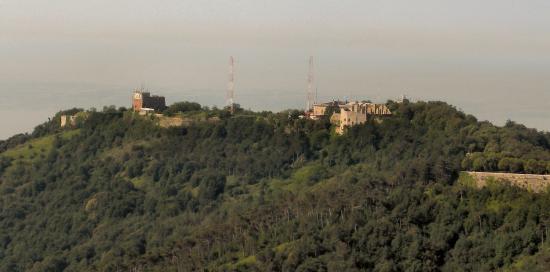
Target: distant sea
{"type": "Point", "coordinates": [24, 106]}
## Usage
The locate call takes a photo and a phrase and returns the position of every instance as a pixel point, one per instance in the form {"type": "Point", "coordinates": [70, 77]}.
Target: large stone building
{"type": "Point", "coordinates": [320, 110]}
{"type": "Point", "coordinates": [145, 102]}
{"type": "Point", "coordinates": [347, 114]}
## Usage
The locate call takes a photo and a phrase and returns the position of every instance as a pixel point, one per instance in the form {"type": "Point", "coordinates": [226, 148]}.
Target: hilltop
{"type": "Point", "coordinates": [263, 191]}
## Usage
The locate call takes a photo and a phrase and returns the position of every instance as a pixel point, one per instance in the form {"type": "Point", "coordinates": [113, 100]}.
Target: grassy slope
{"type": "Point", "coordinates": [35, 148]}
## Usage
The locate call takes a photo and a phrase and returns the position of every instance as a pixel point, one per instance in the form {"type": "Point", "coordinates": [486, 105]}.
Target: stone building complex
{"type": "Point", "coordinates": [347, 114]}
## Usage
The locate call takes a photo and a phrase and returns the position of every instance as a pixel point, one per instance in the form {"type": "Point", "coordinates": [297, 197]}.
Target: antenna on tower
{"type": "Point", "coordinates": [231, 86]}
{"type": "Point", "coordinates": [316, 95]}
{"type": "Point", "coordinates": [310, 94]}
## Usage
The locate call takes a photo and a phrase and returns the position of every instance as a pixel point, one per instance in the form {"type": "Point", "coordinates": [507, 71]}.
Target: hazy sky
{"type": "Point", "coordinates": [490, 58]}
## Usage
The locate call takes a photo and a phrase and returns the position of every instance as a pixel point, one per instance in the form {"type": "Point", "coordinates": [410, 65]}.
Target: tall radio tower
{"type": "Point", "coordinates": [231, 86]}
{"type": "Point", "coordinates": [310, 94]}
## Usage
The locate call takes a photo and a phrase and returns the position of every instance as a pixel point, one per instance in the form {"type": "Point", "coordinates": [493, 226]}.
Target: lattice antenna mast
{"type": "Point", "coordinates": [310, 94]}
{"type": "Point", "coordinates": [231, 85]}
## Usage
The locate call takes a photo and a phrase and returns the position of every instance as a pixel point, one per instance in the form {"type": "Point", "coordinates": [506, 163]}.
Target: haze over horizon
{"type": "Point", "coordinates": [490, 59]}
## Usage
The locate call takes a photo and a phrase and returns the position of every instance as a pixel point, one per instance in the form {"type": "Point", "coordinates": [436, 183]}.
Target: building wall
{"type": "Point", "coordinates": [319, 110]}
{"type": "Point", "coordinates": [137, 101]}
{"type": "Point", "coordinates": [378, 109]}
{"type": "Point", "coordinates": [154, 102]}
{"type": "Point", "coordinates": [535, 183]}
{"type": "Point", "coordinates": [335, 118]}
{"type": "Point", "coordinates": [350, 118]}
{"type": "Point", "coordinates": [145, 100]}
{"type": "Point", "coordinates": [63, 120]}
{"type": "Point", "coordinates": [68, 120]}
{"type": "Point", "coordinates": [369, 108]}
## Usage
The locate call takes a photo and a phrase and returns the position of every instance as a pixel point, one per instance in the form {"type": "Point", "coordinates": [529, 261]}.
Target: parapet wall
{"type": "Point", "coordinates": [535, 183]}
{"type": "Point", "coordinates": [176, 121]}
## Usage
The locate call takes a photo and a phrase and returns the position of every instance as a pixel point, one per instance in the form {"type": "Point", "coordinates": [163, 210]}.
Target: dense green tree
{"type": "Point", "coordinates": [211, 186]}
{"type": "Point", "coordinates": [5, 162]}
{"type": "Point", "coordinates": [182, 107]}
{"type": "Point", "coordinates": [535, 167]}
{"type": "Point", "coordinates": [271, 192]}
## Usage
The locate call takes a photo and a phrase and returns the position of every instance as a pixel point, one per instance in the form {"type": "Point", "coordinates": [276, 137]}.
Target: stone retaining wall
{"type": "Point", "coordinates": [535, 183]}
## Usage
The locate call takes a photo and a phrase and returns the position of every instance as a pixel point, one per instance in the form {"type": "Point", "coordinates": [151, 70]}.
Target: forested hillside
{"type": "Point", "coordinates": [272, 192]}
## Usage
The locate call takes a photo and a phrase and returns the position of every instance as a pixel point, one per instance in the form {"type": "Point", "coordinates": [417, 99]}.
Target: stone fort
{"type": "Point", "coordinates": [347, 114]}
